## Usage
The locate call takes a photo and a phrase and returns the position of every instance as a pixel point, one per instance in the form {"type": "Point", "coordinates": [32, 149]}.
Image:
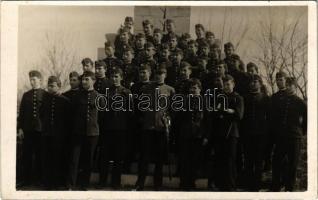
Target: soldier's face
{"type": "Point", "coordinates": [160, 77]}
{"type": "Point", "coordinates": [87, 82]}
{"type": "Point", "coordinates": [144, 75]}
{"type": "Point", "coordinates": [192, 48]}
{"type": "Point", "coordinates": [140, 43]}
{"type": "Point", "coordinates": [128, 56]}
{"type": "Point", "coordinates": [170, 27]}
{"type": "Point", "coordinates": [185, 72]}
{"type": "Point", "coordinates": [150, 51]}
{"type": "Point", "coordinates": [53, 88]}
{"type": "Point", "coordinates": [195, 89]}
{"type": "Point", "coordinates": [129, 24]}
{"type": "Point", "coordinates": [292, 88]}
{"type": "Point", "coordinates": [116, 79]}
{"type": "Point", "coordinates": [281, 82]}
{"type": "Point", "coordinates": [109, 51]}
{"type": "Point", "coordinates": [252, 71]}
{"type": "Point", "coordinates": [147, 29]}
{"type": "Point", "coordinates": [219, 69]}
{"type": "Point", "coordinates": [165, 53]}
{"type": "Point", "coordinates": [228, 51]}
{"type": "Point", "coordinates": [199, 32]}
{"type": "Point", "coordinates": [35, 82]}
{"type": "Point", "coordinates": [74, 82]}
{"type": "Point", "coordinates": [88, 67]}
{"type": "Point", "coordinates": [255, 85]}
{"type": "Point", "coordinates": [228, 86]}
{"type": "Point", "coordinates": [157, 37]}
{"type": "Point", "coordinates": [210, 39]}
{"type": "Point", "coordinates": [173, 43]}
{"type": "Point", "coordinates": [214, 52]}
{"type": "Point", "coordinates": [100, 71]}
{"type": "Point", "coordinates": [124, 37]}
{"type": "Point", "coordinates": [205, 51]}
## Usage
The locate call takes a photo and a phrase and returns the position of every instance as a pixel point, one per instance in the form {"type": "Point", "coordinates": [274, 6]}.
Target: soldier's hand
{"type": "Point", "coordinates": [205, 141]}
{"type": "Point", "coordinates": [20, 134]}
{"type": "Point", "coordinates": [230, 111]}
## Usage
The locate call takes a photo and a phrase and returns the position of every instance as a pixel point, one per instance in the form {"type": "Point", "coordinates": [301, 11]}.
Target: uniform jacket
{"type": "Point", "coordinates": [152, 119]}
{"type": "Point", "coordinates": [288, 115]}
{"type": "Point", "coordinates": [182, 86]}
{"type": "Point", "coordinates": [29, 117]}
{"type": "Point", "coordinates": [55, 115]}
{"type": "Point", "coordinates": [130, 74]}
{"type": "Point", "coordinates": [256, 114]}
{"type": "Point", "coordinates": [172, 75]}
{"type": "Point", "coordinates": [70, 93]}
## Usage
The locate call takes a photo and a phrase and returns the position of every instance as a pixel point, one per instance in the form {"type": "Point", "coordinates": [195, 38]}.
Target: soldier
{"type": "Point", "coordinates": [204, 50]}
{"type": "Point", "coordinates": [288, 123]}
{"type": "Point", "coordinates": [185, 73]}
{"type": "Point", "coordinates": [164, 55]}
{"type": "Point", "coordinates": [130, 69]}
{"type": "Point", "coordinates": [215, 55]}
{"type": "Point", "coordinates": [123, 43]}
{"type": "Point", "coordinates": [252, 69]}
{"type": "Point", "coordinates": [254, 132]}
{"type": "Point", "coordinates": [153, 137]}
{"type": "Point", "coordinates": [173, 43]}
{"type": "Point", "coordinates": [87, 66]}
{"type": "Point", "coordinates": [229, 51]}
{"type": "Point", "coordinates": [191, 53]}
{"type": "Point", "coordinates": [116, 126]}
{"type": "Point", "coordinates": [199, 71]}
{"type": "Point", "coordinates": [224, 123]}
{"type": "Point", "coordinates": [173, 71]}
{"type": "Point", "coordinates": [55, 116]}
{"type": "Point", "coordinates": [183, 42]}
{"type": "Point", "coordinates": [148, 30]}
{"type": "Point", "coordinates": [128, 24]}
{"type": "Point", "coordinates": [111, 61]}
{"type": "Point", "coordinates": [210, 38]}
{"type": "Point", "coordinates": [85, 131]}
{"type": "Point", "coordinates": [217, 70]}
{"type": "Point", "coordinates": [30, 129]}
{"type": "Point", "coordinates": [75, 81]}
{"type": "Point", "coordinates": [170, 28]}
{"type": "Point", "coordinates": [149, 57]}
{"type": "Point", "coordinates": [191, 138]}
{"type": "Point", "coordinates": [157, 36]}
{"type": "Point", "coordinates": [102, 82]}
{"type": "Point", "coordinates": [200, 33]}
{"type": "Point", "coordinates": [140, 48]}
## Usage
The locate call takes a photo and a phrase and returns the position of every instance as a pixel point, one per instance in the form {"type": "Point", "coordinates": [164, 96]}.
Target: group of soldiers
{"type": "Point", "coordinates": [247, 132]}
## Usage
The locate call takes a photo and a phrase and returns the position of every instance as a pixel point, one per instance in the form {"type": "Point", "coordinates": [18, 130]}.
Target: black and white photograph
{"type": "Point", "coordinates": [169, 98]}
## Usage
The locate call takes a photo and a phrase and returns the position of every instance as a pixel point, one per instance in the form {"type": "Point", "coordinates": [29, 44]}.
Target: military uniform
{"type": "Point", "coordinates": [111, 63]}
{"type": "Point", "coordinates": [172, 74]}
{"type": "Point", "coordinates": [254, 133]}
{"type": "Point", "coordinates": [30, 122]}
{"type": "Point", "coordinates": [55, 114]}
{"type": "Point", "coordinates": [120, 48]}
{"type": "Point", "coordinates": [153, 137]}
{"type": "Point", "coordinates": [85, 132]}
{"type": "Point", "coordinates": [288, 122]}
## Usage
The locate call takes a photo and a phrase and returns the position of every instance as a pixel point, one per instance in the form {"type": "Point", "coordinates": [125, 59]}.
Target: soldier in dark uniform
{"type": "Point", "coordinates": [111, 61]}
{"type": "Point", "coordinates": [217, 70]}
{"type": "Point", "coordinates": [123, 43]}
{"type": "Point", "coordinates": [200, 33]}
{"type": "Point", "coordinates": [116, 128]}
{"type": "Point", "coordinates": [204, 51]}
{"type": "Point", "coordinates": [173, 43]}
{"type": "Point", "coordinates": [288, 123]}
{"type": "Point", "coordinates": [55, 114]}
{"type": "Point", "coordinates": [173, 70]}
{"type": "Point", "coordinates": [191, 137]}
{"type": "Point", "coordinates": [181, 86]}
{"type": "Point", "coordinates": [191, 53]}
{"type": "Point", "coordinates": [215, 56]}
{"type": "Point", "coordinates": [30, 129]}
{"type": "Point", "coordinates": [224, 131]}
{"type": "Point", "coordinates": [87, 66]}
{"type": "Point", "coordinates": [85, 132]}
{"type": "Point", "coordinates": [149, 57]}
{"type": "Point", "coordinates": [229, 51]}
{"type": "Point", "coordinates": [170, 28]}
{"type": "Point", "coordinates": [183, 42]}
{"type": "Point", "coordinates": [210, 38]}
{"type": "Point", "coordinates": [130, 69]}
{"type": "Point", "coordinates": [148, 30]}
{"type": "Point", "coordinates": [140, 48]}
{"type": "Point", "coordinates": [74, 79]}
{"type": "Point", "coordinates": [128, 24]}
{"type": "Point", "coordinates": [252, 69]}
{"type": "Point", "coordinates": [164, 55]}
{"type": "Point", "coordinates": [157, 36]}
{"type": "Point", "coordinates": [153, 136]}
{"type": "Point", "coordinates": [254, 132]}
{"type": "Point", "coordinates": [199, 71]}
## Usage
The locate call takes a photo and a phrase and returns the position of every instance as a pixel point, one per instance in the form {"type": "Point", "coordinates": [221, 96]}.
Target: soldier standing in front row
{"type": "Point", "coordinates": [30, 129]}
{"type": "Point", "coordinates": [85, 132]}
{"type": "Point", "coordinates": [288, 123]}
{"type": "Point", "coordinates": [75, 81]}
{"type": "Point", "coordinates": [55, 115]}
{"type": "Point", "coordinates": [153, 137]}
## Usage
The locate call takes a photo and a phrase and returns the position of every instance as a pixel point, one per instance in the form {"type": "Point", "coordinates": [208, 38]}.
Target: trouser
{"type": "Point", "coordinates": [31, 171]}
{"type": "Point", "coordinates": [153, 143]}
{"type": "Point", "coordinates": [112, 149]}
{"type": "Point", "coordinates": [190, 159]}
{"type": "Point", "coordinates": [83, 148]}
{"type": "Point", "coordinates": [225, 152]}
{"type": "Point", "coordinates": [52, 161]}
{"type": "Point", "coordinates": [254, 146]}
{"type": "Point", "coordinates": [285, 148]}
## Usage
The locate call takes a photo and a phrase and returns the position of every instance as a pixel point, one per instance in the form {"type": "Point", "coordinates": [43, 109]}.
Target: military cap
{"type": "Point", "coordinates": [169, 21]}
{"type": "Point", "coordinates": [157, 30]}
{"type": "Point", "coordinates": [161, 69]}
{"type": "Point", "coordinates": [54, 79]}
{"type": "Point", "coordinates": [281, 74]}
{"type": "Point", "coordinates": [117, 70]}
{"type": "Point", "coordinates": [149, 45]}
{"type": "Point", "coordinates": [108, 44]}
{"type": "Point", "coordinates": [140, 35]}
{"type": "Point", "coordinates": [199, 26]}
{"type": "Point", "coordinates": [228, 77]}
{"type": "Point", "coordinates": [87, 61]}
{"type": "Point", "coordinates": [35, 73]}
{"type": "Point", "coordinates": [128, 19]}
{"type": "Point", "coordinates": [228, 45]}
{"type": "Point", "coordinates": [89, 74]}
{"type": "Point", "coordinates": [185, 36]}
{"type": "Point", "coordinates": [146, 22]}
{"type": "Point", "coordinates": [184, 64]}
{"type": "Point", "coordinates": [195, 81]}
{"type": "Point", "coordinates": [145, 66]}
{"type": "Point", "coordinates": [209, 33]}
{"type": "Point", "coordinates": [251, 65]}
{"type": "Point", "coordinates": [193, 42]}
{"type": "Point", "coordinates": [100, 63]}
{"type": "Point", "coordinates": [73, 74]}
{"type": "Point", "coordinates": [291, 81]}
